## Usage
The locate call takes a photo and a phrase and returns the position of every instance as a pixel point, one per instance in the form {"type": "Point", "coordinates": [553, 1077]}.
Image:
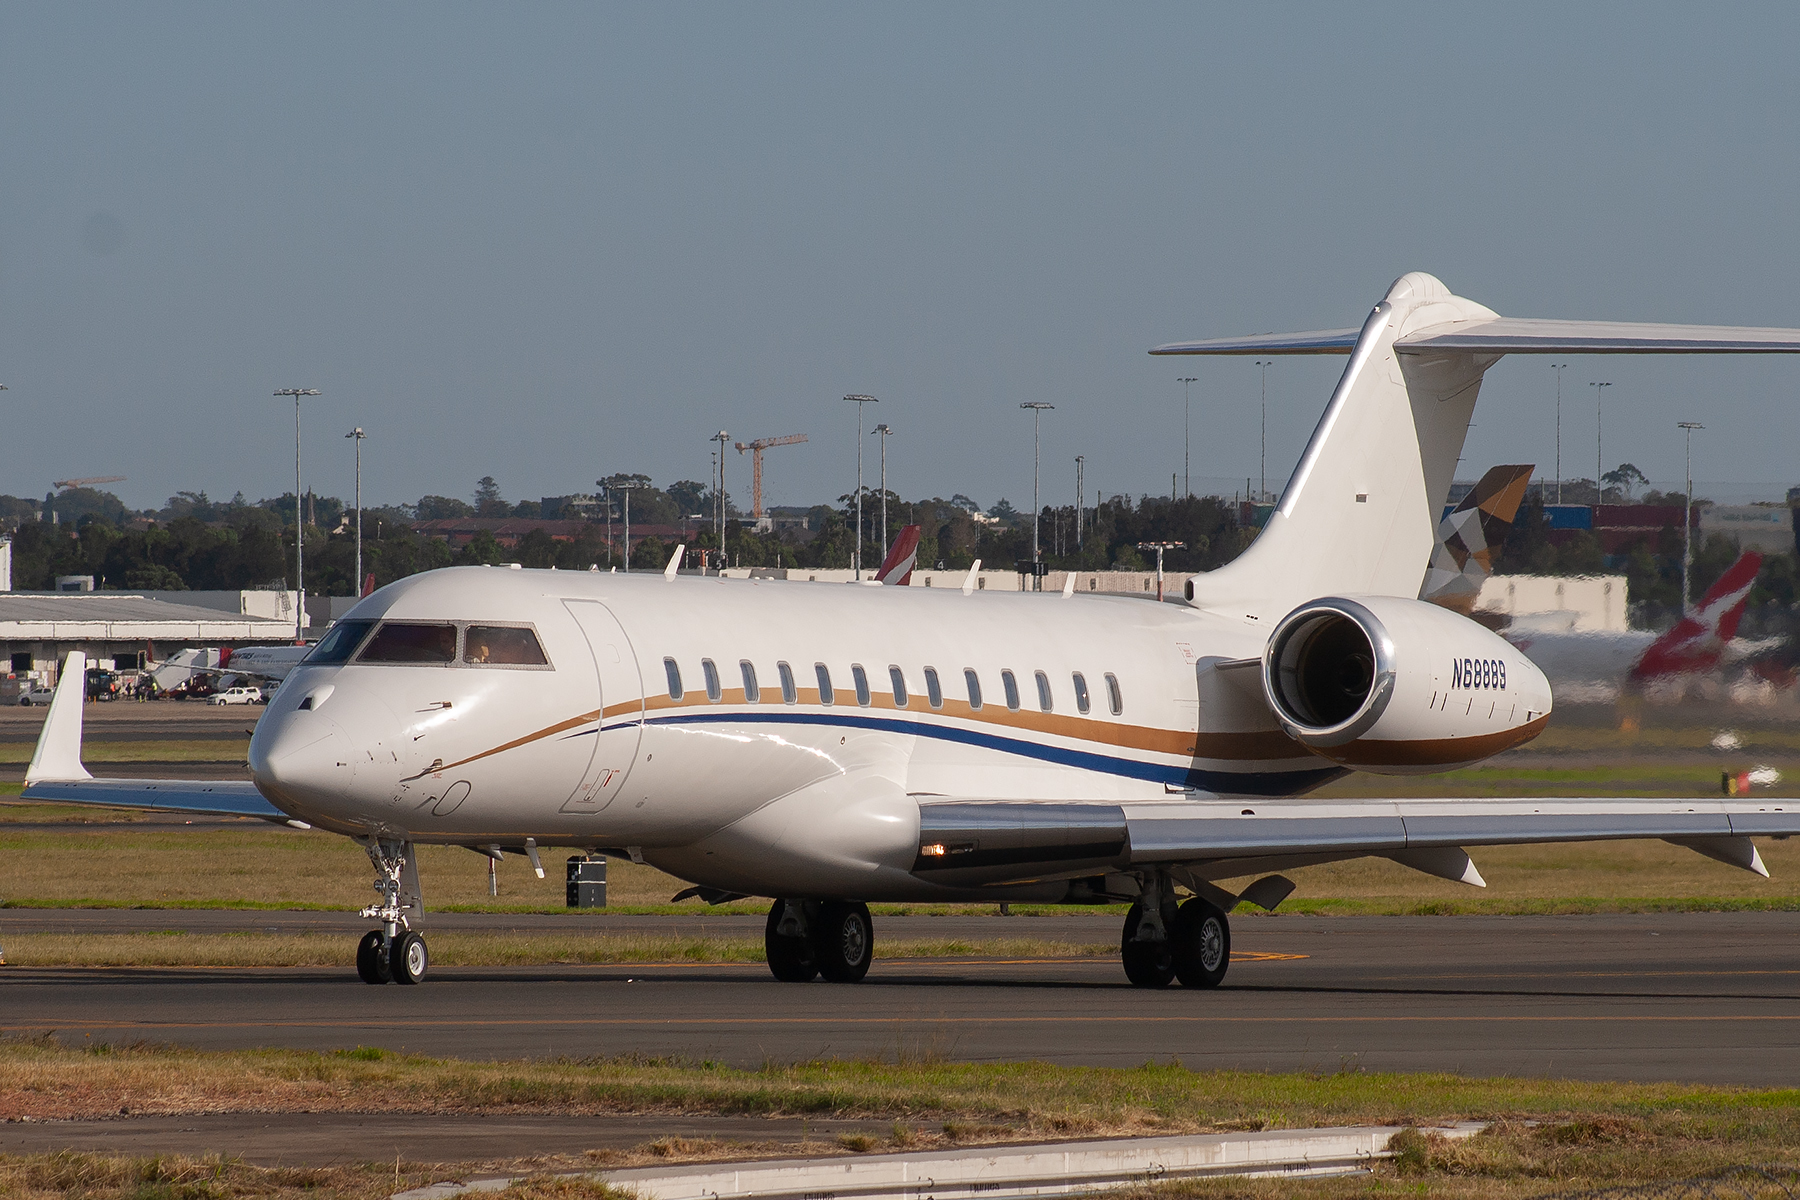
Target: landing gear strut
{"type": "Point", "coordinates": [393, 953]}
{"type": "Point", "coordinates": [1162, 943]}
{"type": "Point", "coordinates": [808, 938]}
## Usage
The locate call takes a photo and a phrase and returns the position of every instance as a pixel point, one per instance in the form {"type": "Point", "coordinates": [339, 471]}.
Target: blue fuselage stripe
{"type": "Point", "coordinates": [1258, 783]}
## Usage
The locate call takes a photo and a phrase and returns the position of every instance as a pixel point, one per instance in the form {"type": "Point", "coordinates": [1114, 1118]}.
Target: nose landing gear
{"type": "Point", "coordinates": [394, 953]}
{"type": "Point", "coordinates": [809, 938]}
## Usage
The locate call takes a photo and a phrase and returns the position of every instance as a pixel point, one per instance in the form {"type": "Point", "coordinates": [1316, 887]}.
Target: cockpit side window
{"type": "Point", "coordinates": [502, 646]}
{"type": "Point", "coordinates": [411, 642]}
{"type": "Point", "coordinates": [340, 642]}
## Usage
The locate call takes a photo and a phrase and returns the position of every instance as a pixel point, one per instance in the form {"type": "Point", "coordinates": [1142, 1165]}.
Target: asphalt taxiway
{"type": "Point", "coordinates": [1702, 997]}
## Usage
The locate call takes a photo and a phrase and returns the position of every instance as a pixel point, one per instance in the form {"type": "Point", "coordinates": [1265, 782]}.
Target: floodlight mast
{"type": "Point", "coordinates": [359, 435]}
{"type": "Point", "coordinates": [884, 431]}
{"type": "Point", "coordinates": [1687, 519]}
{"type": "Point", "coordinates": [299, 529]}
{"type": "Point", "coordinates": [859, 401]}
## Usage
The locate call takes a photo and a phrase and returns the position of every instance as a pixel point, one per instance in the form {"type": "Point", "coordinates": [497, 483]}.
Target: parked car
{"type": "Point", "coordinates": [37, 693]}
{"type": "Point", "coordinates": [238, 695]}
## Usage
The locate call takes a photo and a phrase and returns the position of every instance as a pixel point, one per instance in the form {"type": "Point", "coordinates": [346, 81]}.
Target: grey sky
{"type": "Point", "coordinates": [548, 242]}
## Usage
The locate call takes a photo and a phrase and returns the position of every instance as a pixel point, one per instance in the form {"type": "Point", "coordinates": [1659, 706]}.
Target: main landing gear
{"type": "Point", "coordinates": [807, 938]}
{"type": "Point", "coordinates": [394, 953]}
{"type": "Point", "coordinates": [1163, 942]}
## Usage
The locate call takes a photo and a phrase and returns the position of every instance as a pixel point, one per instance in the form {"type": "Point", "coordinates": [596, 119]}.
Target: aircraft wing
{"type": "Point", "coordinates": [212, 797]}
{"type": "Point", "coordinates": [56, 773]}
{"type": "Point", "coordinates": [973, 842]}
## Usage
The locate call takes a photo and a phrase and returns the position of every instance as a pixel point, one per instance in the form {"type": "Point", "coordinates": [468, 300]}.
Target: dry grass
{"type": "Point", "coordinates": [449, 948]}
{"type": "Point", "coordinates": [1546, 1135]}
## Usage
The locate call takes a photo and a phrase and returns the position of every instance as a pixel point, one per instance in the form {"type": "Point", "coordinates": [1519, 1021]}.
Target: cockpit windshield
{"type": "Point", "coordinates": [405, 642]}
{"type": "Point", "coordinates": [340, 642]}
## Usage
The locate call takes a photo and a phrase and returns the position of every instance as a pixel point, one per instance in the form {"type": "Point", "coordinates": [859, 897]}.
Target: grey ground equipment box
{"type": "Point", "coordinates": [587, 881]}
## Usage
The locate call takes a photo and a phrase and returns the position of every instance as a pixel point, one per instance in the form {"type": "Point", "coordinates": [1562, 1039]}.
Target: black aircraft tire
{"type": "Point", "coordinates": [791, 959]}
{"type": "Point", "coordinates": [409, 959]}
{"type": "Point", "coordinates": [1202, 941]}
{"type": "Point", "coordinates": [372, 959]}
{"type": "Point", "coordinates": [844, 942]}
{"type": "Point", "coordinates": [1147, 964]}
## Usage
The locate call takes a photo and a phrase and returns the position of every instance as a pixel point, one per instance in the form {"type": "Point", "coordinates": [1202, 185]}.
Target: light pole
{"type": "Point", "coordinates": [1558, 368]}
{"type": "Point", "coordinates": [627, 484]}
{"type": "Point", "coordinates": [1187, 479]}
{"type": "Point", "coordinates": [1080, 462]}
{"type": "Point", "coordinates": [1159, 547]}
{"type": "Point", "coordinates": [859, 401]}
{"type": "Point", "coordinates": [1599, 453]}
{"type": "Point", "coordinates": [359, 435]}
{"type": "Point", "coordinates": [1038, 409]}
{"type": "Point", "coordinates": [299, 529]}
{"type": "Point", "coordinates": [1687, 521]}
{"type": "Point", "coordinates": [884, 431]}
{"type": "Point", "coordinates": [1265, 364]}
{"type": "Point", "coordinates": [720, 437]}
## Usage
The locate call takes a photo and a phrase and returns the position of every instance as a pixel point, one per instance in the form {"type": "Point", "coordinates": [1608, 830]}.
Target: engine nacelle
{"type": "Point", "coordinates": [1399, 687]}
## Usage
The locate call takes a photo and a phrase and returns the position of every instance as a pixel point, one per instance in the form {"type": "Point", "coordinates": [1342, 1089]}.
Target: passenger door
{"type": "Point", "coordinates": [619, 696]}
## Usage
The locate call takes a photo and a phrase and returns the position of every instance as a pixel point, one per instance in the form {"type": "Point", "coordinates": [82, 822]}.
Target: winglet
{"type": "Point", "coordinates": [58, 753]}
{"type": "Point", "coordinates": [1069, 586]}
{"type": "Point", "coordinates": [674, 561]}
{"type": "Point", "coordinates": [897, 570]}
{"type": "Point", "coordinates": [974, 574]}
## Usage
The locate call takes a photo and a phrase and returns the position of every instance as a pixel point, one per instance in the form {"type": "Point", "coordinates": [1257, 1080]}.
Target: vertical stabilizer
{"type": "Point", "coordinates": [1360, 513]}
{"type": "Point", "coordinates": [1469, 538]}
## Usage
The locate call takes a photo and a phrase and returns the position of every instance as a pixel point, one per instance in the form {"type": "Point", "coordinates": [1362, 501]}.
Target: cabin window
{"type": "Point", "coordinates": [752, 693]}
{"type": "Point", "coordinates": [713, 691]}
{"type": "Point", "coordinates": [789, 693]}
{"type": "Point", "coordinates": [399, 642]}
{"type": "Point", "coordinates": [826, 695]}
{"type": "Point", "coordinates": [1113, 696]}
{"type": "Point", "coordinates": [1009, 683]}
{"type": "Point", "coordinates": [1043, 682]}
{"type": "Point", "coordinates": [860, 678]}
{"type": "Point", "coordinates": [898, 679]}
{"type": "Point", "coordinates": [1081, 693]}
{"type": "Point", "coordinates": [335, 647]}
{"type": "Point", "coordinates": [502, 646]}
{"type": "Point", "coordinates": [673, 670]}
{"type": "Point", "coordinates": [974, 684]}
{"type": "Point", "coordinates": [934, 691]}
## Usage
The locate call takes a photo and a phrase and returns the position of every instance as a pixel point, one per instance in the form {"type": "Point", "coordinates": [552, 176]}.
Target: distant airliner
{"type": "Point", "coordinates": [827, 746]}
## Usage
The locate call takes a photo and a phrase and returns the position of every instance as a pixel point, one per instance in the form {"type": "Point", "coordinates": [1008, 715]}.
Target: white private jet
{"type": "Point", "coordinates": [1021, 747]}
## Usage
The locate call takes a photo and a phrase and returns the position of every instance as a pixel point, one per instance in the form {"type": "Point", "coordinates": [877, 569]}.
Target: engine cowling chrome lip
{"type": "Point", "coordinates": [1381, 689]}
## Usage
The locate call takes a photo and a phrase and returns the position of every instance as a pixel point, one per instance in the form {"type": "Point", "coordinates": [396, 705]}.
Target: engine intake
{"type": "Point", "coordinates": [1329, 671]}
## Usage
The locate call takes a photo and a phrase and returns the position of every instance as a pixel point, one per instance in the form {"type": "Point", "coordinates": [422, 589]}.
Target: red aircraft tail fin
{"type": "Point", "coordinates": [898, 568]}
{"type": "Point", "coordinates": [1697, 642]}
{"type": "Point", "coordinates": [368, 583]}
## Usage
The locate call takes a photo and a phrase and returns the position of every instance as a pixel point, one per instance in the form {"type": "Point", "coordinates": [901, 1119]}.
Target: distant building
{"type": "Point", "coordinates": [1765, 527]}
{"type": "Point", "coordinates": [37, 629]}
{"type": "Point", "coordinates": [1573, 604]}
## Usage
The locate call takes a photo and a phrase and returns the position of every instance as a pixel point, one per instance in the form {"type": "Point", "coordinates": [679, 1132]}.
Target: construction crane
{"type": "Point", "coordinates": [74, 483]}
{"type": "Point", "coordinates": [756, 449]}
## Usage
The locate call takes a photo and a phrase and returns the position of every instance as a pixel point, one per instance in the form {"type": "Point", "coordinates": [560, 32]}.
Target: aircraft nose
{"type": "Point", "coordinates": [302, 762]}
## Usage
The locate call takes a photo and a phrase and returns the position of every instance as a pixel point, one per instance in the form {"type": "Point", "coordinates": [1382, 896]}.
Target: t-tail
{"type": "Point", "coordinates": [1697, 642]}
{"type": "Point", "coordinates": [1359, 514]}
{"type": "Point", "coordinates": [897, 569]}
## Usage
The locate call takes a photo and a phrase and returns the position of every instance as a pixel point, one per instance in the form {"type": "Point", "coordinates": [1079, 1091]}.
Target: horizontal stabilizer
{"type": "Point", "coordinates": [1319, 341]}
{"type": "Point", "coordinates": [1519, 335]}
